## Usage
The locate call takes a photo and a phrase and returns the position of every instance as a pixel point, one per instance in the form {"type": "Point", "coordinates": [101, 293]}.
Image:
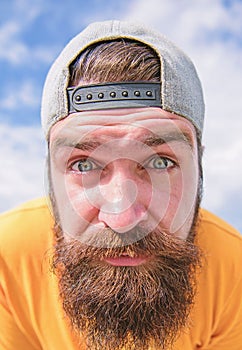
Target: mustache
{"type": "Point", "coordinates": [111, 239]}
{"type": "Point", "coordinates": [107, 243]}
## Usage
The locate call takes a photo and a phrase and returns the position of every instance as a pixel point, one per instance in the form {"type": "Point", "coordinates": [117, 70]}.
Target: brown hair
{"type": "Point", "coordinates": [117, 60]}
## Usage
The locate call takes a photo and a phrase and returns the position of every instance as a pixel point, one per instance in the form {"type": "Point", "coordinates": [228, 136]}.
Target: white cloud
{"type": "Point", "coordinates": [183, 20]}
{"type": "Point", "coordinates": [28, 9]}
{"type": "Point", "coordinates": [12, 48]}
{"type": "Point", "coordinates": [223, 175]}
{"type": "Point", "coordinates": [25, 95]}
{"type": "Point", "coordinates": [22, 164]}
{"type": "Point", "coordinates": [44, 54]}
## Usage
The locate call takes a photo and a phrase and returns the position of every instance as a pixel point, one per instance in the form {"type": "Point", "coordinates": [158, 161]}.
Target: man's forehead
{"type": "Point", "coordinates": [133, 123]}
{"type": "Point", "coordinates": [122, 136]}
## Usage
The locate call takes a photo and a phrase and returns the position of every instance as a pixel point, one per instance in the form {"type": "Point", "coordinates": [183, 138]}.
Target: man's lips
{"type": "Point", "coordinates": [126, 260]}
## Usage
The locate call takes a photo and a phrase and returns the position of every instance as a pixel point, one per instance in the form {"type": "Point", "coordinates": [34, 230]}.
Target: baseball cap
{"type": "Point", "coordinates": [179, 90]}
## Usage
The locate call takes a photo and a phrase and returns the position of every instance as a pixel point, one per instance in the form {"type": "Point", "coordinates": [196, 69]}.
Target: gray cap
{"type": "Point", "coordinates": [181, 91]}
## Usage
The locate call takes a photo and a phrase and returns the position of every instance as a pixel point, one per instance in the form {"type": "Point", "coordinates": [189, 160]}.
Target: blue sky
{"type": "Point", "coordinates": [32, 33]}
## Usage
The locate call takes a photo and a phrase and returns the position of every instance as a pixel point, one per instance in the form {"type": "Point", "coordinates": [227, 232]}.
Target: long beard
{"type": "Point", "coordinates": [123, 307]}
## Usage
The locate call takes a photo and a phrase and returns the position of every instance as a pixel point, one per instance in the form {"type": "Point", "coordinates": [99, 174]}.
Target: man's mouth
{"type": "Point", "coordinates": [126, 260]}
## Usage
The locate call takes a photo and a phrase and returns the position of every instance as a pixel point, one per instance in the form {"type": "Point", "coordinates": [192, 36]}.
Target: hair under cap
{"type": "Point", "coordinates": [181, 91]}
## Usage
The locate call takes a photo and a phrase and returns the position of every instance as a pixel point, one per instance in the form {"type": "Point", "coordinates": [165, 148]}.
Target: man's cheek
{"type": "Point", "coordinates": [183, 201]}
{"type": "Point", "coordinates": [73, 210]}
{"type": "Point", "coordinates": [174, 200]}
{"type": "Point", "coordinates": [164, 208]}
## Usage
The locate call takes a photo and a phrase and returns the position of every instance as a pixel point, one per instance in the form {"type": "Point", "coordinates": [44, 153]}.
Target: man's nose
{"type": "Point", "coordinates": [123, 203]}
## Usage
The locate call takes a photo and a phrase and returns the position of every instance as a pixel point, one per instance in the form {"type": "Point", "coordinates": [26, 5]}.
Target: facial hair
{"type": "Point", "coordinates": [124, 307]}
{"type": "Point", "coordinates": [128, 307]}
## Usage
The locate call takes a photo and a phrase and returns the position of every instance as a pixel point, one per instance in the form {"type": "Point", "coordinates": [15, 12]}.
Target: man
{"type": "Point", "coordinates": [127, 259]}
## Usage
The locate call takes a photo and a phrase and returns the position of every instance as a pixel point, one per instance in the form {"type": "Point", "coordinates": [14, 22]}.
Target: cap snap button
{"type": "Point", "coordinates": [78, 98]}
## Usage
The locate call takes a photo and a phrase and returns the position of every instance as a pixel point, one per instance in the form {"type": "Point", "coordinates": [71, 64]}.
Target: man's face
{"type": "Point", "coordinates": [124, 190]}
{"type": "Point", "coordinates": [123, 168]}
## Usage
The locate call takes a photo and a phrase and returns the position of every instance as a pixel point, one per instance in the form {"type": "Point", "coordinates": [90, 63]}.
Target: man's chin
{"type": "Point", "coordinates": [121, 303]}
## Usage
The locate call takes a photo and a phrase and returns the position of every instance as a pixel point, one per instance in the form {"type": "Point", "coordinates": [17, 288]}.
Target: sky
{"type": "Point", "coordinates": [32, 34]}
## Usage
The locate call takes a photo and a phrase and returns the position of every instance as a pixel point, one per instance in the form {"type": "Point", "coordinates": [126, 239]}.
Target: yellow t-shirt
{"type": "Point", "coordinates": [31, 316]}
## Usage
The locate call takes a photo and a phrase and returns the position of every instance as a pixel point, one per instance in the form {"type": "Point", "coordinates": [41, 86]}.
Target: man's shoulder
{"type": "Point", "coordinates": [26, 227]}
{"type": "Point", "coordinates": [33, 208]}
{"type": "Point", "coordinates": [29, 206]}
{"type": "Point", "coordinates": [218, 238]}
{"type": "Point", "coordinates": [211, 220]}
{"type": "Point", "coordinates": [211, 223]}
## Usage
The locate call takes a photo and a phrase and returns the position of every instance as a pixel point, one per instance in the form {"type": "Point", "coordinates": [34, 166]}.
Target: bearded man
{"type": "Point", "coordinates": [120, 255]}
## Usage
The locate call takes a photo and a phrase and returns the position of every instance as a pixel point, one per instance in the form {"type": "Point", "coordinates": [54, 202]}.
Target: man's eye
{"type": "Point", "coordinates": [84, 165]}
{"type": "Point", "coordinates": [159, 163]}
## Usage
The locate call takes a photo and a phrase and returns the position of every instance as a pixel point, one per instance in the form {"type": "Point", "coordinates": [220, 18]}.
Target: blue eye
{"type": "Point", "coordinates": [159, 163]}
{"type": "Point", "coordinates": [84, 165]}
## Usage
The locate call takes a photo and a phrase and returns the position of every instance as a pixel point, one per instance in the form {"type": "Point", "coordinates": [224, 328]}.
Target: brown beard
{"type": "Point", "coordinates": [123, 307]}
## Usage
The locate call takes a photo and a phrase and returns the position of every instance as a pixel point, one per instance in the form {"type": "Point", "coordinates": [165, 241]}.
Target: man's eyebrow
{"type": "Point", "coordinates": [151, 141]}
{"type": "Point", "coordinates": [88, 145]}
{"type": "Point", "coordinates": [156, 140]}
